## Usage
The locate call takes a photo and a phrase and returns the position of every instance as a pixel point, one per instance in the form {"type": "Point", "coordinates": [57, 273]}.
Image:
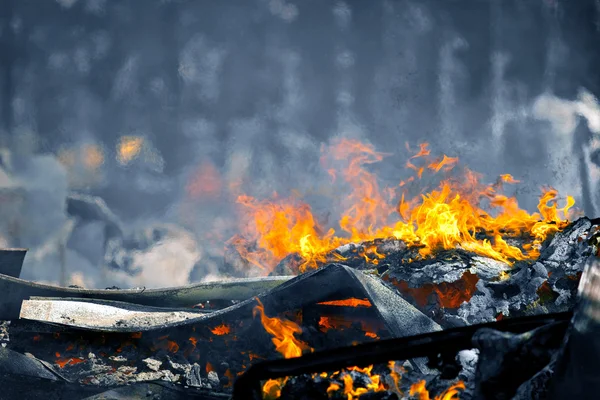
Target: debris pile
{"type": "Point", "coordinates": [98, 341]}
{"type": "Point", "coordinates": [433, 298]}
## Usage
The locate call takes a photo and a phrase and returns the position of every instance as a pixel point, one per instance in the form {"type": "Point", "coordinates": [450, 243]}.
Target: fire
{"type": "Point", "coordinates": [327, 323]}
{"type": "Point", "coordinates": [129, 148]}
{"type": "Point", "coordinates": [347, 303]}
{"type": "Point", "coordinates": [63, 362]}
{"type": "Point", "coordinates": [375, 383]}
{"type": "Point", "coordinates": [460, 212]}
{"type": "Point", "coordinates": [374, 386]}
{"type": "Point", "coordinates": [452, 393]}
{"type": "Point", "coordinates": [283, 332]}
{"type": "Point", "coordinates": [221, 330]}
{"type": "Point", "coordinates": [272, 388]}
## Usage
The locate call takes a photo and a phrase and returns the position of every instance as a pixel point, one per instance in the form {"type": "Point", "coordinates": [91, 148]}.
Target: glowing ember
{"type": "Point", "coordinates": [327, 323]}
{"type": "Point", "coordinates": [209, 367]}
{"type": "Point", "coordinates": [221, 330]}
{"type": "Point", "coordinates": [449, 295]}
{"type": "Point", "coordinates": [63, 362]}
{"type": "Point", "coordinates": [456, 214]}
{"type": "Point", "coordinates": [419, 389]}
{"type": "Point", "coordinates": [348, 303]}
{"type": "Point", "coordinates": [283, 333]}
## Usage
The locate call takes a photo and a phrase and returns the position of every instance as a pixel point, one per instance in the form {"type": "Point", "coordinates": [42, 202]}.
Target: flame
{"type": "Point", "coordinates": [418, 389]}
{"type": "Point", "coordinates": [283, 332]}
{"type": "Point", "coordinates": [285, 343]}
{"type": "Point", "coordinates": [395, 375]}
{"type": "Point", "coordinates": [221, 330]}
{"type": "Point", "coordinates": [347, 303]}
{"type": "Point", "coordinates": [229, 376]}
{"type": "Point", "coordinates": [209, 367]}
{"type": "Point", "coordinates": [129, 148]}
{"type": "Point", "coordinates": [454, 214]}
{"type": "Point", "coordinates": [272, 388]}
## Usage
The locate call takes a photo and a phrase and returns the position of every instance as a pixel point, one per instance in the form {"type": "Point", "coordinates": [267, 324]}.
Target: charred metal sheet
{"type": "Point", "coordinates": [11, 261]}
{"type": "Point", "coordinates": [13, 363]}
{"type": "Point", "coordinates": [90, 314]}
{"type": "Point", "coordinates": [15, 290]}
{"type": "Point", "coordinates": [399, 317]}
{"type": "Point", "coordinates": [393, 309]}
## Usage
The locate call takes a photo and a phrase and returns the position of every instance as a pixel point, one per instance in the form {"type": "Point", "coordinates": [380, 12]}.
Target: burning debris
{"type": "Point", "coordinates": [426, 273]}
{"type": "Point", "coordinates": [340, 306]}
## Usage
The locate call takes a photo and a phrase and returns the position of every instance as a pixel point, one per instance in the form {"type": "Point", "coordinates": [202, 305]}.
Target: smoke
{"type": "Point", "coordinates": [239, 97]}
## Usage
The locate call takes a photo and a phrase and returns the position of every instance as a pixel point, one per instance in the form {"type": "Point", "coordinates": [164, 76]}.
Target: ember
{"type": "Point", "coordinates": [347, 303]}
{"type": "Point", "coordinates": [221, 330]}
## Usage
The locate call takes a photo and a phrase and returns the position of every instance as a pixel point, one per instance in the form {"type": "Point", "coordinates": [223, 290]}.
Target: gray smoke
{"type": "Point", "coordinates": [239, 96]}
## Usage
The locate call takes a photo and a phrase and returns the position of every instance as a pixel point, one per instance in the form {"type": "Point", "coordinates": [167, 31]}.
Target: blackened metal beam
{"type": "Point", "coordinates": [248, 385]}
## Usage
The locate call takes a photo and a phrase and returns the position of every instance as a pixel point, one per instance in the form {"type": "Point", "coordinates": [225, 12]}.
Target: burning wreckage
{"type": "Point", "coordinates": [451, 302]}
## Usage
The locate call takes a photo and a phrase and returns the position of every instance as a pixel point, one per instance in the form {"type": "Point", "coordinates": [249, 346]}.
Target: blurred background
{"type": "Point", "coordinates": [128, 125]}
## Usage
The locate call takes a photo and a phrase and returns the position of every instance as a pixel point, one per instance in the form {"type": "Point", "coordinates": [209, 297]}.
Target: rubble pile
{"type": "Point", "coordinates": [203, 348]}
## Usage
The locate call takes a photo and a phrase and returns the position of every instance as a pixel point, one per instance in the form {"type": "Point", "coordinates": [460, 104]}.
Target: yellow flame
{"type": "Point", "coordinates": [453, 215]}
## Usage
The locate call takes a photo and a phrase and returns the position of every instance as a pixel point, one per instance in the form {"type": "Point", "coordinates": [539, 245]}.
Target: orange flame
{"type": "Point", "coordinates": [272, 388]}
{"type": "Point", "coordinates": [283, 333]}
{"type": "Point", "coordinates": [453, 215]}
{"type": "Point", "coordinates": [347, 303]}
{"type": "Point", "coordinates": [221, 330]}
{"type": "Point", "coordinates": [452, 393]}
